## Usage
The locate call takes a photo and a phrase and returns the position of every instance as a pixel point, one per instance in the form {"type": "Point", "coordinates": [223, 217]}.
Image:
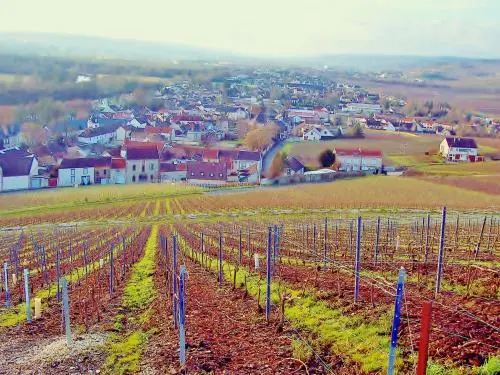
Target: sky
{"type": "Point", "coordinates": [275, 28]}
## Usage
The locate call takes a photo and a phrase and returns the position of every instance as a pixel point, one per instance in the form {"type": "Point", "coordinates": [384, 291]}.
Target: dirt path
{"type": "Point", "coordinates": [224, 334]}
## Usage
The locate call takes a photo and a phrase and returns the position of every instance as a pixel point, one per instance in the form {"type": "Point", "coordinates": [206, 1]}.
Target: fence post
{"type": "Point", "coordinates": [174, 279]}
{"type": "Point", "coordinates": [427, 234]}
{"type": "Point", "coordinates": [268, 274]}
{"type": "Point", "coordinates": [67, 322]}
{"type": "Point", "coordinates": [476, 253]}
{"type": "Point", "coordinates": [377, 238]}
{"type": "Point", "coordinates": [124, 257]}
{"type": "Point", "coordinates": [423, 347]}
{"type": "Point", "coordinates": [6, 283]}
{"type": "Point", "coordinates": [358, 259]}
{"type": "Point", "coordinates": [395, 322]}
{"type": "Point", "coordinates": [111, 270]}
{"type": "Point", "coordinates": [441, 252]}
{"type": "Point", "coordinates": [221, 271]}
{"type": "Point", "coordinates": [182, 316]}
{"type": "Point", "coordinates": [58, 276]}
{"type": "Point", "coordinates": [240, 255]}
{"type": "Point", "coordinates": [27, 295]}
{"type": "Point", "coordinates": [325, 237]}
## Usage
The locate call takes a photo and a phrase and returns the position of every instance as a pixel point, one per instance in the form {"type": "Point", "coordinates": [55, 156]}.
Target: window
{"type": "Point", "coordinates": [202, 173]}
{"type": "Point", "coordinates": [143, 168]}
{"type": "Point", "coordinates": [152, 166]}
{"type": "Point", "coordinates": [72, 180]}
{"type": "Point", "coordinates": [133, 168]}
{"type": "Point", "coordinates": [85, 170]}
{"type": "Point", "coordinates": [104, 172]}
{"type": "Point", "coordinates": [73, 172]}
{"type": "Point", "coordinates": [220, 174]}
{"type": "Point", "coordinates": [211, 174]}
{"type": "Point", "coordinates": [133, 177]}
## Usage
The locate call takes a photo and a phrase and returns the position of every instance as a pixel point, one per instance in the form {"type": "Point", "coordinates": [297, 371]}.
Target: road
{"type": "Point", "coordinates": [268, 158]}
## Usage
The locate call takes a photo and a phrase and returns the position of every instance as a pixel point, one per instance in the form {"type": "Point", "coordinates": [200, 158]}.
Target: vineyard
{"type": "Point", "coordinates": [250, 283]}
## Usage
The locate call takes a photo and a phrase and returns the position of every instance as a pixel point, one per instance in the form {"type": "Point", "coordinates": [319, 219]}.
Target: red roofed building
{"type": "Point", "coordinates": [202, 173]}
{"type": "Point", "coordinates": [357, 159]}
{"type": "Point", "coordinates": [118, 170]}
{"type": "Point", "coordinates": [184, 119]}
{"type": "Point", "coordinates": [170, 172]}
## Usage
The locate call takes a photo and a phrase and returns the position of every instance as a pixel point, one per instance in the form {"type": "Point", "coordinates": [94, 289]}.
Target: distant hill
{"type": "Point", "coordinates": [57, 45]}
{"type": "Point", "coordinates": [61, 45]}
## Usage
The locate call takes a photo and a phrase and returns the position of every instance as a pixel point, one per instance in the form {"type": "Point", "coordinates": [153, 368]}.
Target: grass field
{"type": "Point", "coordinates": [403, 149]}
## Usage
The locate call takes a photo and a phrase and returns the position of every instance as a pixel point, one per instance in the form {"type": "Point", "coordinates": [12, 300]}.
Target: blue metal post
{"type": "Point", "coordinates": [67, 322]}
{"type": "Point", "coordinates": [268, 275]}
{"type": "Point", "coordinates": [240, 255]}
{"type": "Point", "coordinates": [6, 283]}
{"type": "Point", "coordinates": [358, 260]}
{"type": "Point", "coordinates": [441, 251]}
{"type": "Point", "coordinates": [27, 294]}
{"type": "Point", "coordinates": [221, 273]}
{"type": "Point", "coordinates": [58, 276]}
{"type": "Point", "coordinates": [174, 280]}
{"type": "Point", "coordinates": [325, 237]}
{"type": "Point", "coordinates": [395, 322]}
{"type": "Point", "coordinates": [111, 270]}
{"type": "Point", "coordinates": [377, 238]}
{"type": "Point", "coordinates": [182, 316]}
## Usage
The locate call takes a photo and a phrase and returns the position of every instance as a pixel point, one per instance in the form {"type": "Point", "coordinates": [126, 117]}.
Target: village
{"type": "Point", "coordinates": [226, 131]}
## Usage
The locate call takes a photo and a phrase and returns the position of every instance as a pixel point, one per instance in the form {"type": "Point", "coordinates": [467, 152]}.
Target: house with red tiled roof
{"type": "Point", "coordinates": [118, 171]}
{"type": "Point", "coordinates": [172, 172]}
{"type": "Point", "coordinates": [203, 173]}
{"type": "Point", "coordinates": [357, 159]}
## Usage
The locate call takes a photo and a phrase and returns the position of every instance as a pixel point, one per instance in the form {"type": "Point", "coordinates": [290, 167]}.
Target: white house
{"type": "Point", "coordinates": [237, 114]}
{"type": "Point", "coordinates": [318, 133]}
{"type": "Point", "coordinates": [365, 108]}
{"type": "Point", "coordinates": [102, 135]}
{"type": "Point", "coordinates": [17, 169]}
{"type": "Point", "coordinates": [123, 133]}
{"type": "Point", "coordinates": [81, 171]}
{"type": "Point", "coordinates": [170, 172]}
{"type": "Point", "coordinates": [456, 149]}
{"type": "Point", "coordinates": [358, 159]}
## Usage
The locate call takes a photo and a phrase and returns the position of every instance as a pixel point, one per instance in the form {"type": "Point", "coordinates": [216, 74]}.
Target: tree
{"type": "Point", "coordinates": [33, 134]}
{"type": "Point", "coordinates": [277, 165]}
{"type": "Point", "coordinates": [356, 131]}
{"type": "Point", "coordinates": [258, 139]}
{"type": "Point", "coordinates": [326, 158]}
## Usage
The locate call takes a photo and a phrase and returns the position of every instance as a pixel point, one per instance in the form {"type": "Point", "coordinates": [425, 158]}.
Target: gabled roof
{"type": "Point", "coordinates": [95, 132]}
{"type": "Point", "coordinates": [118, 163]}
{"type": "Point", "coordinates": [357, 152]}
{"type": "Point", "coordinates": [88, 162]}
{"type": "Point", "coordinates": [15, 162]}
{"type": "Point", "coordinates": [249, 155]}
{"type": "Point", "coordinates": [200, 170]}
{"type": "Point", "coordinates": [461, 142]}
{"type": "Point", "coordinates": [158, 129]}
{"type": "Point", "coordinates": [293, 163]}
{"type": "Point", "coordinates": [142, 152]}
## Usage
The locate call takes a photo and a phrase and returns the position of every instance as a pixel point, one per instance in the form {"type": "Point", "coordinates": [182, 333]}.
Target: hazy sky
{"type": "Point", "coordinates": [275, 27]}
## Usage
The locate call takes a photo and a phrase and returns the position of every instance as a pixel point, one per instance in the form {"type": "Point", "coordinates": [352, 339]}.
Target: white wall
{"type": "Point", "coordinates": [16, 183]}
{"type": "Point", "coordinates": [64, 178]}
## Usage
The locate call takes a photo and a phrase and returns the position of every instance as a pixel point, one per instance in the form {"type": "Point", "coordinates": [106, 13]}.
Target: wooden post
{"type": "Point", "coordinates": [423, 347]}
